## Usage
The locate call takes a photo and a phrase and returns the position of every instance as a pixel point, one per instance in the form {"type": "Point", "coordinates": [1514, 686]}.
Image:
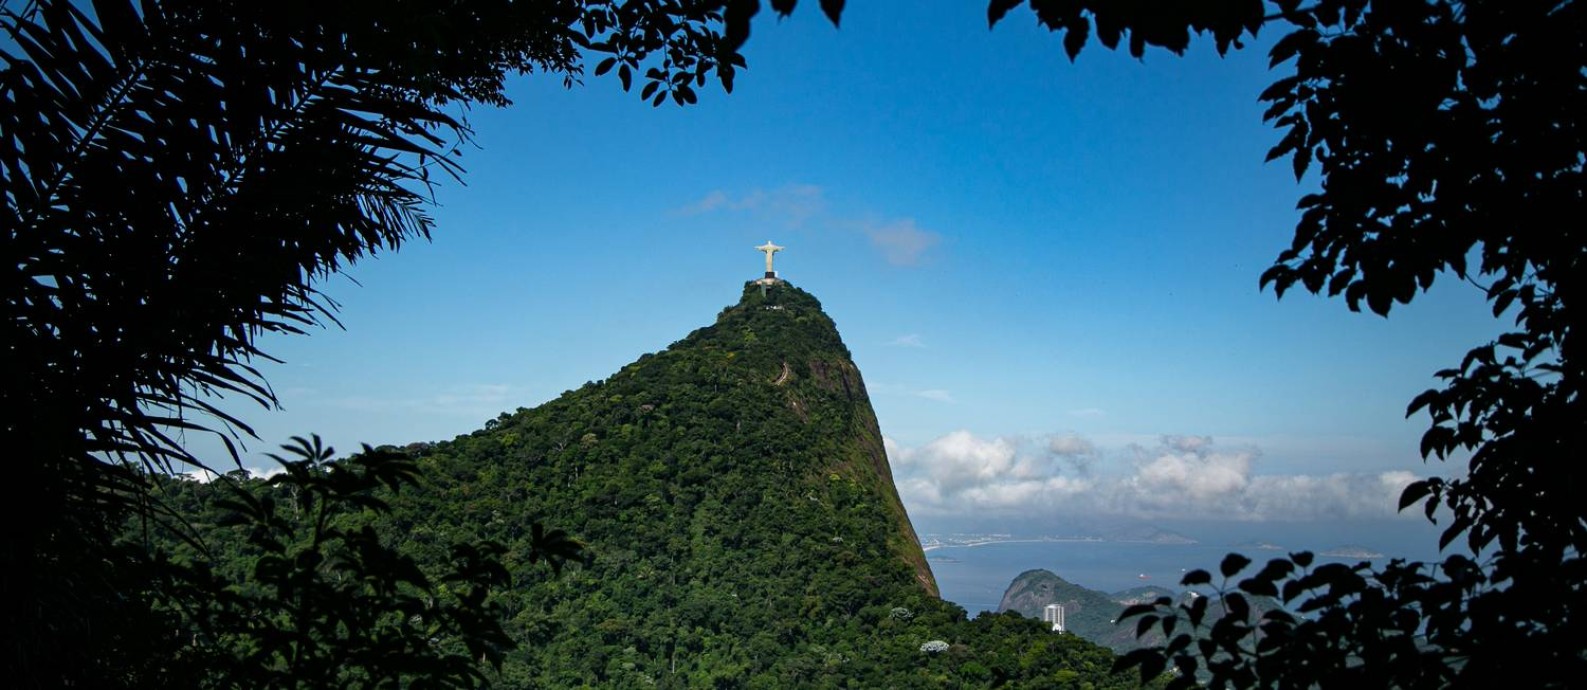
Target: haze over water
{"type": "Point", "coordinates": [975, 577]}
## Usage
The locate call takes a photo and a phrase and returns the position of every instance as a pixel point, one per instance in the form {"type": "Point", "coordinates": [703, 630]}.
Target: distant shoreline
{"type": "Point", "coordinates": [1054, 540]}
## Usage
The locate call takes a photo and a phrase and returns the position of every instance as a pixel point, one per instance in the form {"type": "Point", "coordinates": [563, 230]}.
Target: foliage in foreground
{"type": "Point", "coordinates": [176, 177]}
{"type": "Point", "coordinates": [285, 583]}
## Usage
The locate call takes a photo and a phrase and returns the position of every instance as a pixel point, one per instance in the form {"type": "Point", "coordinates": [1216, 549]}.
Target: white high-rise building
{"type": "Point", "coordinates": [1054, 613]}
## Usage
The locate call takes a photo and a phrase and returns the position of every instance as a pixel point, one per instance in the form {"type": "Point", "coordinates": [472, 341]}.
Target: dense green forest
{"type": "Point", "coordinates": [739, 523]}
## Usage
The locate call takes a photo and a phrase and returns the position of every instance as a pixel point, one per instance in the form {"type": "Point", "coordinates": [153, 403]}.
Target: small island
{"type": "Point", "coordinates": [1139, 535]}
{"type": "Point", "coordinates": [1350, 551]}
{"type": "Point", "coordinates": [1259, 546]}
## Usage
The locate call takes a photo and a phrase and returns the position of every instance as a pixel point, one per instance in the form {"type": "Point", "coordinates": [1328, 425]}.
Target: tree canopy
{"type": "Point", "coordinates": [178, 176]}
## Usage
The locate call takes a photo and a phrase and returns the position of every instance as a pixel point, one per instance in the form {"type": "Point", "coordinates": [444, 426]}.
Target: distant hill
{"type": "Point", "coordinates": [734, 491]}
{"type": "Point", "coordinates": [1150, 535]}
{"type": "Point", "coordinates": [1258, 546]}
{"type": "Point", "coordinates": [1351, 551]}
{"type": "Point", "coordinates": [1092, 614]}
{"type": "Point", "coordinates": [1088, 613]}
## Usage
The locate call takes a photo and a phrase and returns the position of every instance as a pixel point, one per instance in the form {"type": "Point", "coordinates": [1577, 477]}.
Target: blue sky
{"type": "Point", "coordinates": [1046, 271]}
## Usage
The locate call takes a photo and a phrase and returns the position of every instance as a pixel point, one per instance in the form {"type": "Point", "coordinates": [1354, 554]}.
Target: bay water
{"type": "Point", "coordinates": [976, 576]}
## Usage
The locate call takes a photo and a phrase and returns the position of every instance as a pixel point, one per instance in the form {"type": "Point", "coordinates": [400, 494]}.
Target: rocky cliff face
{"type": "Point", "coordinates": [784, 331]}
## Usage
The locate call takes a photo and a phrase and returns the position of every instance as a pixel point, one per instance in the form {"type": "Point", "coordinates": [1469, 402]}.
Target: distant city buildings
{"type": "Point", "coordinates": [1054, 614]}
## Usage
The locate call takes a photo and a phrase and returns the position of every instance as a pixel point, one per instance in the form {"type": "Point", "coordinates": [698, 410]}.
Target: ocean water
{"type": "Point", "coordinates": [975, 577]}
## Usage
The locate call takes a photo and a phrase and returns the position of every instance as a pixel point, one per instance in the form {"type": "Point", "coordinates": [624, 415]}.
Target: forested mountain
{"type": "Point", "coordinates": [1095, 615]}
{"type": "Point", "coordinates": [744, 529]}
{"type": "Point", "coordinates": [1087, 613]}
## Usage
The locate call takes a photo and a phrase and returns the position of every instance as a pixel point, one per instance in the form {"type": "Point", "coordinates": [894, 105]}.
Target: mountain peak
{"type": "Point", "coordinates": [783, 304]}
{"type": "Point", "coordinates": [745, 529]}
{"type": "Point", "coordinates": [777, 347]}
{"type": "Point", "coordinates": [762, 414]}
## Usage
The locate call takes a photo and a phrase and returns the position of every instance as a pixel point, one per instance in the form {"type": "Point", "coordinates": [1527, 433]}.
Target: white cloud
{"type": "Point", "coordinates": [1334, 496]}
{"type": "Point", "coordinates": [897, 454]}
{"type": "Point", "coordinates": [1187, 444]}
{"type": "Point", "coordinates": [1071, 444]}
{"type": "Point", "coordinates": [1200, 477]}
{"type": "Point", "coordinates": [902, 242]}
{"type": "Point", "coordinates": [1182, 477]}
{"type": "Point", "coordinates": [959, 459]}
{"type": "Point", "coordinates": [907, 340]}
{"type": "Point", "coordinates": [792, 204]}
{"type": "Point", "coordinates": [962, 471]}
{"type": "Point", "coordinates": [1074, 451]}
{"type": "Point", "coordinates": [936, 394]}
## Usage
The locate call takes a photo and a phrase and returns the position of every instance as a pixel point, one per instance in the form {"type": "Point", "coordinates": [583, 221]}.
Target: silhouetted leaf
{"type": "Point", "coordinates": [736, 19]}
{"type": "Point", "coordinates": [833, 9]}
{"type": "Point", "coordinates": [1145, 624]}
{"type": "Point", "coordinates": [1196, 610]}
{"type": "Point", "coordinates": [1236, 605]}
{"type": "Point", "coordinates": [1414, 492]}
{"type": "Point", "coordinates": [1259, 586]}
{"type": "Point", "coordinates": [1134, 658]}
{"type": "Point", "coordinates": [997, 9]}
{"type": "Point", "coordinates": [1075, 38]}
{"type": "Point", "coordinates": [1231, 565]}
{"type": "Point", "coordinates": [1136, 610]}
{"type": "Point", "coordinates": [1291, 44]}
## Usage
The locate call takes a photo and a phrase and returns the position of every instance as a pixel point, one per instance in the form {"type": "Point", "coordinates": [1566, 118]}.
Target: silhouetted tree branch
{"type": "Point", "coordinates": [178, 176]}
{"type": "Point", "coordinates": [1448, 139]}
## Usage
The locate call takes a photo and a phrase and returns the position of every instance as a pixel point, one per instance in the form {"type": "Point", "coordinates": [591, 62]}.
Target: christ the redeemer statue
{"type": "Point", "coordinates": [770, 249]}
